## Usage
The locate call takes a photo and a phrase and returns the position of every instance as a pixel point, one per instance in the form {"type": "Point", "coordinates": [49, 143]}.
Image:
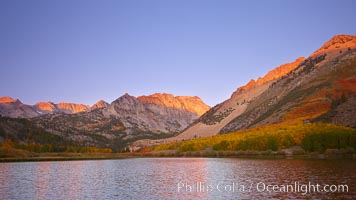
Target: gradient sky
{"type": "Point", "coordinates": [82, 51]}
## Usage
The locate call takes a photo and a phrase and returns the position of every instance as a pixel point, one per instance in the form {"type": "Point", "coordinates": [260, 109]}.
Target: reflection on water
{"type": "Point", "coordinates": [171, 178]}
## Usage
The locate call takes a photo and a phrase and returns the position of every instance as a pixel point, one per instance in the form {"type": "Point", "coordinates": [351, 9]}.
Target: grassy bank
{"type": "Point", "coordinates": [318, 138]}
{"type": "Point", "coordinates": [333, 154]}
{"type": "Point", "coordinates": [63, 156]}
{"type": "Point", "coordinates": [275, 141]}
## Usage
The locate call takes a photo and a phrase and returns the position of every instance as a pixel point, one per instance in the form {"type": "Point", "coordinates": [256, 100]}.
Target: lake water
{"type": "Point", "coordinates": [178, 178]}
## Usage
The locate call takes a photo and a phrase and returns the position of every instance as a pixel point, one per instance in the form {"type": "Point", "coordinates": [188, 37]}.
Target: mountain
{"type": "Point", "coordinates": [149, 116]}
{"type": "Point", "coordinates": [124, 120]}
{"type": "Point", "coordinates": [320, 88]}
{"type": "Point", "coordinates": [190, 104]}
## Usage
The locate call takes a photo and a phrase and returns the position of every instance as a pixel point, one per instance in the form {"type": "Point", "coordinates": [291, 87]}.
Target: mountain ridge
{"type": "Point", "coordinates": [106, 125]}
{"type": "Point", "coordinates": [12, 107]}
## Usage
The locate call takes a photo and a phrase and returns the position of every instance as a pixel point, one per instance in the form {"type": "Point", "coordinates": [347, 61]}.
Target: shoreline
{"type": "Point", "coordinates": [115, 156]}
{"type": "Point", "coordinates": [63, 157]}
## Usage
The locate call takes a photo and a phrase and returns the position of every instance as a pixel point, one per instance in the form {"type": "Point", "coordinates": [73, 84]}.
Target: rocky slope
{"type": "Point", "coordinates": [304, 91]}
{"type": "Point", "coordinates": [215, 119]}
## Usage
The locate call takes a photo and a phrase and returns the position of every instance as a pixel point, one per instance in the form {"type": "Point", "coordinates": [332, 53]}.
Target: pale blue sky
{"type": "Point", "coordinates": [82, 51]}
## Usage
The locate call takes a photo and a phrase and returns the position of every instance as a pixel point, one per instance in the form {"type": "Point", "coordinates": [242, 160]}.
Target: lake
{"type": "Point", "coordinates": [179, 178]}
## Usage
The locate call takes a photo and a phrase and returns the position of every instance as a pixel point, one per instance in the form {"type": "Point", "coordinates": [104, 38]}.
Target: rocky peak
{"type": "Point", "coordinates": [193, 104]}
{"type": "Point", "coordinates": [99, 104]}
{"type": "Point", "coordinates": [337, 43]}
{"type": "Point", "coordinates": [7, 99]}
{"type": "Point", "coordinates": [126, 98]}
{"type": "Point", "coordinates": [125, 103]}
{"type": "Point", "coordinates": [46, 106]}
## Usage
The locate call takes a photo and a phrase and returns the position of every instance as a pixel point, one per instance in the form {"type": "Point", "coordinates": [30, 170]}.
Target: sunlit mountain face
{"type": "Point", "coordinates": [319, 88]}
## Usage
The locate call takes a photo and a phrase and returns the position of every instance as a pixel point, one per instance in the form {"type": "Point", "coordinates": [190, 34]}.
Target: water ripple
{"type": "Point", "coordinates": [158, 178]}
